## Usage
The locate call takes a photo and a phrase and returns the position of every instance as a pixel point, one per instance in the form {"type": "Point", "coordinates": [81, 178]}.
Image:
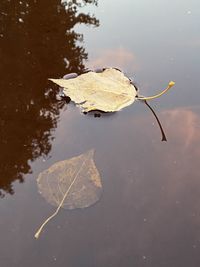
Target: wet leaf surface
{"type": "Point", "coordinates": [107, 91]}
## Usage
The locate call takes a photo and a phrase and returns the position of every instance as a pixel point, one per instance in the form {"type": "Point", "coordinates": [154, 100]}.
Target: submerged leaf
{"type": "Point", "coordinates": [70, 184]}
{"type": "Point", "coordinates": [107, 91]}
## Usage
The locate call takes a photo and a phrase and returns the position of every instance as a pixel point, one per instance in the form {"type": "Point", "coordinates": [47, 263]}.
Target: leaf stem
{"type": "Point", "coordinates": [158, 121]}
{"type": "Point", "coordinates": [158, 95]}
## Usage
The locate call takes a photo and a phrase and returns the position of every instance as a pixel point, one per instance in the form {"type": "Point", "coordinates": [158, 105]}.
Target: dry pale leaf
{"type": "Point", "coordinates": [107, 91]}
{"type": "Point", "coordinates": [70, 184]}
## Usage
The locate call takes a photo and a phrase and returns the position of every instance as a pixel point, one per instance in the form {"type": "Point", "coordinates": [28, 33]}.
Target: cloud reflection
{"type": "Point", "coordinates": [157, 199]}
{"type": "Point", "coordinates": [118, 57]}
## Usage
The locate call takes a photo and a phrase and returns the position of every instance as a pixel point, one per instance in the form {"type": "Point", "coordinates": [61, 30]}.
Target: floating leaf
{"type": "Point", "coordinates": [70, 184]}
{"type": "Point", "coordinates": [107, 91]}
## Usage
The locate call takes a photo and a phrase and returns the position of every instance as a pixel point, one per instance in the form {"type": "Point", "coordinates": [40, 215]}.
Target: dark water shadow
{"type": "Point", "coordinates": [37, 41]}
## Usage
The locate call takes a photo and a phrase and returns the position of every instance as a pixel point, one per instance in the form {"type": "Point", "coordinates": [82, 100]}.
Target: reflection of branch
{"type": "Point", "coordinates": [39, 104]}
{"type": "Point", "coordinates": [160, 126]}
{"type": "Point", "coordinates": [87, 19]}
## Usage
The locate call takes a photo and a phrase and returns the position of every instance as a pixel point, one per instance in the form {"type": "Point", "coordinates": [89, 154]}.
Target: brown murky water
{"type": "Point", "coordinates": [149, 214]}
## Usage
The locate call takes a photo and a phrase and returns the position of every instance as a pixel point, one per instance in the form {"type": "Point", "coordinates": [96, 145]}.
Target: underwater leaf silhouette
{"type": "Point", "coordinates": [108, 91]}
{"type": "Point", "coordinates": [70, 184]}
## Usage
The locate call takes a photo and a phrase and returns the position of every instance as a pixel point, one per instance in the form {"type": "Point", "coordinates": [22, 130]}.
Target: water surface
{"type": "Point", "coordinates": [149, 212]}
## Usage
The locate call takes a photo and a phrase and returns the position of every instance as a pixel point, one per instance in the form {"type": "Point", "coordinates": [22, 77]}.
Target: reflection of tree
{"type": "Point", "coordinates": [36, 42]}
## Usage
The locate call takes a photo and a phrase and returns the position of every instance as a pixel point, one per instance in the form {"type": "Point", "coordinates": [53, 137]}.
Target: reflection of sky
{"type": "Point", "coordinates": [137, 22]}
{"type": "Point", "coordinates": [150, 205]}
{"type": "Point", "coordinates": [119, 57]}
{"type": "Point", "coordinates": [162, 35]}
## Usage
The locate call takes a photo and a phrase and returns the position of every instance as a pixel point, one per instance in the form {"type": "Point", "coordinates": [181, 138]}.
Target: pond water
{"type": "Point", "coordinates": [149, 213]}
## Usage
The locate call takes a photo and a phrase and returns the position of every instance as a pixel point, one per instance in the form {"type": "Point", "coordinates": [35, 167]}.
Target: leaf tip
{"type": "Point", "coordinates": [91, 152]}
